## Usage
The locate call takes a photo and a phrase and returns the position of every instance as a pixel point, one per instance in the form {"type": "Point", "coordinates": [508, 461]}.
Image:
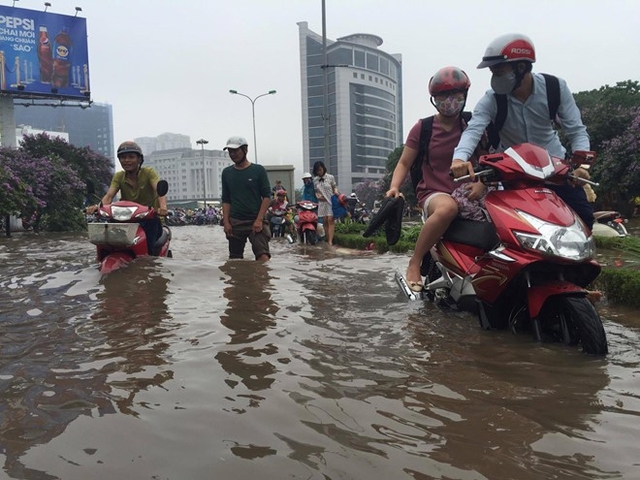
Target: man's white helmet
{"type": "Point", "coordinates": [512, 47]}
{"type": "Point", "coordinates": [306, 175]}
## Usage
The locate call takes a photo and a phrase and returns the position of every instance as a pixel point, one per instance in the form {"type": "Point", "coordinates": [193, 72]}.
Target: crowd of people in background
{"type": "Point", "coordinates": [354, 210]}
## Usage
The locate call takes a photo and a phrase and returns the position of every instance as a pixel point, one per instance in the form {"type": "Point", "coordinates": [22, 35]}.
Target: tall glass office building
{"type": "Point", "coordinates": [364, 105]}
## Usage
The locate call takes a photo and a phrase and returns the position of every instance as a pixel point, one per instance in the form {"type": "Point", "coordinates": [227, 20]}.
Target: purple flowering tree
{"type": "Point", "coordinates": [611, 115]}
{"type": "Point", "coordinates": [618, 166]}
{"type": "Point", "coordinates": [45, 182]}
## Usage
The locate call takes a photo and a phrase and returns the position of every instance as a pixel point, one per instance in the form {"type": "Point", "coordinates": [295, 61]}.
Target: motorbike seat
{"type": "Point", "coordinates": [606, 215]}
{"type": "Point", "coordinates": [472, 232]}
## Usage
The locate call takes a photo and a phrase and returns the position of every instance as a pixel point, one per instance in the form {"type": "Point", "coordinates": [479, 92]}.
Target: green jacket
{"type": "Point", "coordinates": [143, 193]}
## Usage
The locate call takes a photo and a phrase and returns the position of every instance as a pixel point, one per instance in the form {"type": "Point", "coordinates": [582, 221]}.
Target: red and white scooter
{"type": "Point", "coordinates": [306, 221]}
{"type": "Point", "coordinates": [119, 236]}
{"type": "Point", "coordinates": [528, 268]}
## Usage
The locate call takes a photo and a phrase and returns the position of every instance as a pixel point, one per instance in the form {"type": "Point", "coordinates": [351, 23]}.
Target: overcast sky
{"type": "Point", "coordinates": [168, 65]}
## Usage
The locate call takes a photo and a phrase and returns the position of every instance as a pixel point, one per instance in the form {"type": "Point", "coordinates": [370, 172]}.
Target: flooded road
{"type": "Point", "coordinates": [312, 366]}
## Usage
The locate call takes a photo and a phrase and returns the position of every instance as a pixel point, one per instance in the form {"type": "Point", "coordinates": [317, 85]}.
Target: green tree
{"type": "Point", "coordinates": [407, 187]}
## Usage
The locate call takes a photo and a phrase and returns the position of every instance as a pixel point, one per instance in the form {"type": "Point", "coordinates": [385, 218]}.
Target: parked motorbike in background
{"type": "Point", "coordinates": [119, 237]}
{"type": "Point", "coordinates": [526, 269]}
{"type": "Point", "coordinates": [361, 214]}
{"type": "Point", "coordinates": [306, 221]}
{"type": "Point", "coordinates": [609, 224]}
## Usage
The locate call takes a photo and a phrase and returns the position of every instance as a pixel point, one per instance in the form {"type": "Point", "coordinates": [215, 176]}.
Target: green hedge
{"type": "Point", "coordinates": [620, 285]}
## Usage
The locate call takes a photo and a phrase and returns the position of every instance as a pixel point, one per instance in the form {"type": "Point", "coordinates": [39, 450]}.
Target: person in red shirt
{"type": "Point", "coordinates": [448, 89]}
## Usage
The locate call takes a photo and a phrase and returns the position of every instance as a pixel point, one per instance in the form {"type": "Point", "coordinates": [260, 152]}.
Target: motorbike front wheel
{"type": "Point", "coordinates": [574, 320]}
{"type": "Point", "coordinates": [310, 237]}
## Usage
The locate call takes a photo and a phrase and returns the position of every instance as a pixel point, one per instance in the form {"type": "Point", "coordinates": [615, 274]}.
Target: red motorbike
{"type": "Point", "coordinates": [528, 267]}
{"type": "Point", "coordinates": [307, 221]}
{"type": "Point", "coordinates": [120, 237]}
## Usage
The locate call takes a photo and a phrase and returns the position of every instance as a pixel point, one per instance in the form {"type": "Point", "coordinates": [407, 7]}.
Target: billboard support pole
{"type": "Point", "coordinates": [7, 122]}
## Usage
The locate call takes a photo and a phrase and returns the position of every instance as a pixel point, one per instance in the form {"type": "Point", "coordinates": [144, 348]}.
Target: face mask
{"type": "Point", "coordinates": [450, 107]}
{"type": "Point", "coordinates": [504, 83]}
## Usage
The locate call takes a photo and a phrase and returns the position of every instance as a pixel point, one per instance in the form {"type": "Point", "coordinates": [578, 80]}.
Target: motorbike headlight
{"type": "Point", "coordinates": [122, 214]}
{"type": "Point", "coordinates": [572, 242]}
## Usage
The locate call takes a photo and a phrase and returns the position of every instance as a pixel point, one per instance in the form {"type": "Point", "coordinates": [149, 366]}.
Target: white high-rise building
{"type": "Point", "coordinates": [183, 168]}
{"type": "Point", "coordinates": [364, 105]}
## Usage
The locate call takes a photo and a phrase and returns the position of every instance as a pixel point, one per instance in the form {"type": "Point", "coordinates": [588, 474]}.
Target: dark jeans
{"type": "Point", "coordinates": [576, 198]}
{"type": "Point", "coordinates": [242, 230]}
{"type": "Point", "coordinates": [152, 229]}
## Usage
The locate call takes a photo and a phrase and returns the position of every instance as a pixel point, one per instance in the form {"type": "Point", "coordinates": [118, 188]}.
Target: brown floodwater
{"type": "Point", "coordinates": [312, 366]}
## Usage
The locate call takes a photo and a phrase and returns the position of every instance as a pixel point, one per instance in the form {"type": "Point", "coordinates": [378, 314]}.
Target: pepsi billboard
{"type": "Point", "coordinates": [43, 54]}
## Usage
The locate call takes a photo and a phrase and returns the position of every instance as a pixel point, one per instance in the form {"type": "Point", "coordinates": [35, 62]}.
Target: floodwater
{"type": "Point", "coordinates": [312, 366]}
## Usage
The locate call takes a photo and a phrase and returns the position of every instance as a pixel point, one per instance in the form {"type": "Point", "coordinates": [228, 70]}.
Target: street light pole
{"type": "Point", "coordinates": [253, 114]}
{"type": "Point", "coordinates": [203, 142]}
{"type": "Point", "coordinates": [325, 87]}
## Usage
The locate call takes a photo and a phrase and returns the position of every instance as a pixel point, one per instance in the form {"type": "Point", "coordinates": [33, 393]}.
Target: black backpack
{"type": "Point", "coordinates": [423, 149]}
{"type": "Point", "coordinates": [493, 130]}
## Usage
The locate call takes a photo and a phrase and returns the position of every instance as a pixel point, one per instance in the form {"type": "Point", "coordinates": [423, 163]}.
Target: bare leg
{"type": "Point", "coordinates": [442, 211]}
{"type": "Point", "coordinates": [329, 228]}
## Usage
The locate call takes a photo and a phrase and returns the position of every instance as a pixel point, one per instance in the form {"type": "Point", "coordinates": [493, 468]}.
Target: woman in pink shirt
{"type": "Point", "coordinates": [448, 89]}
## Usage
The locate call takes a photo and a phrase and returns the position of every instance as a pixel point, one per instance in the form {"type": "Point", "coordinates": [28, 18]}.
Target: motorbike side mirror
{"type": "Point", "coordinates": [582, 157]}
{"type": "Point", "coordinates": [91, 189]}
{"type": "Point", "coordinates": [163, 188]}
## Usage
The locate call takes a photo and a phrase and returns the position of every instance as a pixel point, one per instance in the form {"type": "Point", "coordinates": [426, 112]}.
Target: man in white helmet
{"type": "Point", "coordinates": [246, 195]}
{"type": "Point", "coordinates": [526, 99]}
{"type": "Point", "coordinates": [308, 191]}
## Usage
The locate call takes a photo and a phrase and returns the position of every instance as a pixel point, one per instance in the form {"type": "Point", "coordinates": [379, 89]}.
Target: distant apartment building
{"type": "Point", "coordinates": [165, 141]}
{"type": "Point", "coordinates": [190, 181]}
{"type": "Point", "coordinates": [91, 126]}
{"type": "Point", "coordinates": [364, 105]}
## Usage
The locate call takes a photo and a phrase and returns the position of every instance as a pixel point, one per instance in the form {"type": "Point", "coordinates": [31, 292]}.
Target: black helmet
{"type": "Point", "coordinates": [130, 147]}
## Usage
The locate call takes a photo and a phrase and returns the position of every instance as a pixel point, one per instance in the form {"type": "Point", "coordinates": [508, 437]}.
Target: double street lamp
{"type": "Point", "coordinates": [203, 142]}
{"type": "Point", "coordinates": [253, 113]}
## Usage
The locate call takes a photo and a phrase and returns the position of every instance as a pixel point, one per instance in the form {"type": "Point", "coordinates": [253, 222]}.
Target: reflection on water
{"type": "Point", "coordinates": [250, 312]}
{"type": "Point", "coordinates": [309, 366]}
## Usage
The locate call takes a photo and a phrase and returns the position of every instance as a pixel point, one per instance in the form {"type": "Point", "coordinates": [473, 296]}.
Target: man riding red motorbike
{"type": "Point", "coordinates": [138, 187]}
{"type": "Point", "coordinates": [528, 267]}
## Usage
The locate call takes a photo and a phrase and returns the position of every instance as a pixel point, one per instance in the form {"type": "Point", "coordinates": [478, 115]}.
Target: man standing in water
{"type": "Point", "coordinates": [246, 195]}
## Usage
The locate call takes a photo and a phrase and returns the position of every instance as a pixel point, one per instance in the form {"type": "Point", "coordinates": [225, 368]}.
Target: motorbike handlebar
{"type": "Point", "coordinates": [583, 180]}
{"type": "Point", "coordinates": [478, 173]}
